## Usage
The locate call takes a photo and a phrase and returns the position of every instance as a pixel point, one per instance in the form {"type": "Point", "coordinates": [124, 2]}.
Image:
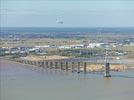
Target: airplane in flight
{"type": "Point", "coordinates": [59, 20]}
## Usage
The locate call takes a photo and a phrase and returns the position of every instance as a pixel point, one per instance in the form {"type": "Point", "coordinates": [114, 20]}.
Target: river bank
{"type": "Point", "coordinates": [20, 82]}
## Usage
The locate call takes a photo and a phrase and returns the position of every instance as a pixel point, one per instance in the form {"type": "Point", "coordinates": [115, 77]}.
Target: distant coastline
{"type": "Point", "coordinates": [69, 29]}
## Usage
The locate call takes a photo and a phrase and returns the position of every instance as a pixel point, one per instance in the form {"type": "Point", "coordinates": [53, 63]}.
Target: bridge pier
{"type": "Point", "coordinates": [85, 67]}
{"type": "Point", "coordinates": [32, 62]}
{"type": "Point", "coordinates": [25, 61]}
{"type": "Point", "coordinates": [107, 70]}
{"type": "Point", "coordinates": [16, 60]}
{"type": "Point", "coordinates": [56, 65]}
{"type": "Point", "coordinates": [61, 65]}
{"type": "Point", "coordinates": [38, 63]}
{"type": "Point", "coordinates": [72, 67]}
{"type": "Point", "coordinates": [46, 63]}
{"type": "Point", "coordinates": [78, 67]}
{"type": "Point", "coordinates": [51, 65]}
{"type": "Point", "coordinates": [28, 62]}
{"type": "Point", "coordinates": [43, 64]}
{"type": "Point", "coordinates": [66, 66]}
{"type": "Point", "coordinates": [20, 61]}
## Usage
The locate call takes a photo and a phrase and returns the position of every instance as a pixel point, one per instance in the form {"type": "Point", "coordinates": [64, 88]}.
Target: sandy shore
{"type": "Point", "coordinates": [100, 67]}
{"type": "Point", "coordinates": [39, 58]}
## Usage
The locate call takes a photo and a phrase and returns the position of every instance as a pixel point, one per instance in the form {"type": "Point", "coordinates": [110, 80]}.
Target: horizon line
{"type": "Point", "coordinates": [65, 27]}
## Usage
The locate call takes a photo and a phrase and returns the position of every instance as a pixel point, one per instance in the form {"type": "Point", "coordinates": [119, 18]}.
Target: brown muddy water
{"type": "Point", "coordinates": [25, 82]}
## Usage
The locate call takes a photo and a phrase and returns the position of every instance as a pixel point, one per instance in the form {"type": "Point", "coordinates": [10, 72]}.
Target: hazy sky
{"type": "Point", "coordinates": [74, 13]}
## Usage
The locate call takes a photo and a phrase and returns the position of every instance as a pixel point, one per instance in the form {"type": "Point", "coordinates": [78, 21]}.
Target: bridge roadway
{"type": "Point", "coordinates": [99, 60]}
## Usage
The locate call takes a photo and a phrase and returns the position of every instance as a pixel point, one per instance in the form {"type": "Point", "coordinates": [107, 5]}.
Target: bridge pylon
{"type": "Point", "coordinates": [107, 70]}
{"type": "Point", "coordinates": [106, 65]}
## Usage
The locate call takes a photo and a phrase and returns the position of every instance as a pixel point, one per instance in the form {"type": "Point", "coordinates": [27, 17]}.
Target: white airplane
{"type": "Point", "coordinates": [59, 21]}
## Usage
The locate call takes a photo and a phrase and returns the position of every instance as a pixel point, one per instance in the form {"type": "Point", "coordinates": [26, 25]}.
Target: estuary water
{"type": "Point", "coordinates": [26, 82]}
